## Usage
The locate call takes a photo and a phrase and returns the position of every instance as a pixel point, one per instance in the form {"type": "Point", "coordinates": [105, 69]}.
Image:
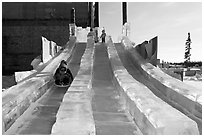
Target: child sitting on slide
{"type": "Point", "coordinates": [63, 75]}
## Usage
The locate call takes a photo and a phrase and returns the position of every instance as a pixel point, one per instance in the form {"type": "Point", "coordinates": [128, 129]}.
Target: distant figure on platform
{"type": "Point", "coordinates": [63, 76]}
{"type": "Point", "coordinates": [91, 33]}
{"type": "Point", "coordinates": [103, 36]}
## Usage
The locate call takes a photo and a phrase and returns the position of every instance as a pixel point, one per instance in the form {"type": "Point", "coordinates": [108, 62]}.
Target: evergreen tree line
{"type": "Point", "coordinates": [189, 64]}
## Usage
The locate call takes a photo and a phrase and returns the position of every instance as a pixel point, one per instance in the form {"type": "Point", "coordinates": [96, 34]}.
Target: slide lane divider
{"type": "Point", "coordinates": [75, 116]}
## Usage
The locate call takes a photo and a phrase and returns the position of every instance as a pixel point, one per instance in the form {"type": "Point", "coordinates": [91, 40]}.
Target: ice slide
{"type": "Point", "coordinates": [184, 98]}
{"type": "Point", "coordinates": [41, 114]}
{"type": "Point", "coordinates": [106, 97]}
{"type": "Point", "coordinates": [109, 101]}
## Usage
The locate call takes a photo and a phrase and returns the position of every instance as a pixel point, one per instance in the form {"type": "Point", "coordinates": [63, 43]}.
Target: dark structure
{"type": "Point", "coordinates": [96, 14]}
{"type": "Point", "coordinates": [93, 14]}
{"type": "Point", "coordinates": [23, 24]}
{"type": "Point", "coordinates": [73, 16]}
{"type": "Point", "coordinates": [90, 11]}
{"type": "Point", "coordinates": [124, 12]}
{"type": "Point", "coordinates": [148, 50]}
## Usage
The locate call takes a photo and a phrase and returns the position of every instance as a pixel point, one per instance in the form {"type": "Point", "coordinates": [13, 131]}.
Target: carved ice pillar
{"type": "Point", "coordinates": [45, 50]}
{"type": "Point", "coordinates": [126, 29]}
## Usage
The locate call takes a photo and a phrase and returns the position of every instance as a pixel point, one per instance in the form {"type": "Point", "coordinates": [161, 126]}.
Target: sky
{"type": "Point", "coordinates": [170, 21]}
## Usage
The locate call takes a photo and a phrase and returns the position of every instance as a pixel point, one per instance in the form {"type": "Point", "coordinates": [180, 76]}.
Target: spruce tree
{"type": "Point", "coordinates": [187, 51]}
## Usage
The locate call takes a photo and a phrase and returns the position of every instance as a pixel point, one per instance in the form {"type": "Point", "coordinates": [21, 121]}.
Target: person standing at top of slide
{"type": "Point", "coordinates": [103, 36]}
{"type": "Point", "coordinates": [91, 33]}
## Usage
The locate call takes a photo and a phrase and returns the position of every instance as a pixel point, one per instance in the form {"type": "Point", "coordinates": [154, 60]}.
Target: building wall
{"type": "Point", "coordinates": [23, 26]}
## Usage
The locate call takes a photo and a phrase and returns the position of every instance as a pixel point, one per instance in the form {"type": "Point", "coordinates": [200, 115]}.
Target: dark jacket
{"type": "Point", "coordinates": [58, 75]}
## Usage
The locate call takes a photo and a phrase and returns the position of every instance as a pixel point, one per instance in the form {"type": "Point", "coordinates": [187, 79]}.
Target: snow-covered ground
{"type": "Point", "coordinates": [194, 83]}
